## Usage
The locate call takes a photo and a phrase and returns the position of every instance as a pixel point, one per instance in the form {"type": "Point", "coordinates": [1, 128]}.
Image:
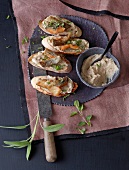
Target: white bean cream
{"type": "Point", "coordinates": [100, 72]}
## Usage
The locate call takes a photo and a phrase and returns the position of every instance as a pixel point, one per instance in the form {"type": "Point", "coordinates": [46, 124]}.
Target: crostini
{"type": "Point", "coordinates": [65, 45]}
{"type": "Point", "coordinates": [54, 86]}
{"type": "Point", "coordinates": [50, 61]}
{"type": "Point", "coordinates": [56, 25]}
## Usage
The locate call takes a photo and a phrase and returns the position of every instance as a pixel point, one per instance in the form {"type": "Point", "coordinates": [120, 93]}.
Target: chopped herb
{"type": "Point", "coordinates": [40, 48]}
{"type": "Point", "coordinates": [25, 40]}
{"type": "Point", "coordinates": [8, 16]}
{"type": "Point", "coordinates": [43, 36]}
{"type": "Point", "coordinates": [62, 25]}
{"type": "Point", "coordinates": [55, 24]}
{"type": "Point", "coordinates": [57, 67]}
{"type": "Point", "coordinates": [78, 42]}
{"type": "Point", "coordinates": [8, 46]}
{"type": "Point", "coordinates": [48, 82]}
{"type": "Point", "coordinates": [98, 65]}
{"type": "Point", "coordinates": [69, 42]}
{"type": "Point", "coordinates": [66, 97]}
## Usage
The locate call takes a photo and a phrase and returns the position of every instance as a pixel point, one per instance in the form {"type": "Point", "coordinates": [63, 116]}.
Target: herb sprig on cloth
{"type": "Point", "coordinates": [85, 120]}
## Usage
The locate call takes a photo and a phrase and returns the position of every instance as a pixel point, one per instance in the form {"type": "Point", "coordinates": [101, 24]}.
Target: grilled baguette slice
{"type": "Point", "coordinates": [54, 86]}
{"type": "Point", "coordinates": [56, 26]}
{"type": "Point", "coordinates": [65, 45]}
{"type": "Point", "coordinates": [50, 61]}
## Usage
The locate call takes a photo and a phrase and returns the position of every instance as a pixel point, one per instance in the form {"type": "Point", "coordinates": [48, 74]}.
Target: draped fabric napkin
{"type": "Point", "coordinates": [110, 109]}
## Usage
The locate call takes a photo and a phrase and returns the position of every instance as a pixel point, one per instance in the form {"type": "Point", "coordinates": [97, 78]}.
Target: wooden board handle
{"type": "Point", "coordinates": [49, 143]}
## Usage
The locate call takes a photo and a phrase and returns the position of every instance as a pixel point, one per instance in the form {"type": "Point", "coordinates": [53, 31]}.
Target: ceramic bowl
{"type": "Point", "coordinates": [90, 52]}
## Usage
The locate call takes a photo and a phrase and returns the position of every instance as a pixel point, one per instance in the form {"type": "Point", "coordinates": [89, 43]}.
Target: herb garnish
{"type": "Point", "coordinates": [66, 96]}
{"type": "Point", "coordinates": [55, 24]}
{"type": "Point", "coordinates": [28, 142]}
{"type": "Point", "coordinates": [25, 40]}
{"type": "Point", "coordinates": [57, 67]}
{"type": "Point", "coordinates": [86, 120]}
{"type": "Point", "coordinates": [98, 65]}
{"type": "Point", "coordinates": [78, 42]}
{"type": "Point", "coordinates": [40, 48]}
{"type": "Point", "coordinates": [43, 36]}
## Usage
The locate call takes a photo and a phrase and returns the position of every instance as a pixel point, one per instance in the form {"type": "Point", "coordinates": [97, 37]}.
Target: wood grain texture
{"type": "Point", "coordinates": [49, 144]}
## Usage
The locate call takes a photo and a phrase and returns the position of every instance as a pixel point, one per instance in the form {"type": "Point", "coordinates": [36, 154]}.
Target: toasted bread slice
{"type": "Point", "coordinates": [65, 45]}
{"type": "Point", "coordinates": [54, 86]}
{"type": "Point", "coordinates": [50, 61]}
{"type": "Point", "coordinates": [57, 26]}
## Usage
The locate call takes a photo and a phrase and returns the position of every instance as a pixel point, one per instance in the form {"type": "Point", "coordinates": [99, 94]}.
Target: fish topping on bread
{"type": "Point", "coordinates": [56, 25]}
{"type": "Point", "coordinates": [54, 86]}
{"type": "Point", "coordinates": [65, 44]}
{"type": "Point", "coordinates": [50, 61]}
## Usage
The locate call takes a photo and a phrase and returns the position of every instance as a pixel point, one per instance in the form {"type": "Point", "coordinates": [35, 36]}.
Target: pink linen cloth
{"type": "Point", "coordinates": [110, 109]}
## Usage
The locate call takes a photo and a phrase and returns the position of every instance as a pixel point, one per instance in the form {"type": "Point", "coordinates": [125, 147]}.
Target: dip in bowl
{"type": "Point", "coordinates": [102, 73]}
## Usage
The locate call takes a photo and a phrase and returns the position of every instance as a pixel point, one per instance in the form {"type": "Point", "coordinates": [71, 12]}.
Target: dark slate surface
{"type": "Point", "coordinates": [96, 37]}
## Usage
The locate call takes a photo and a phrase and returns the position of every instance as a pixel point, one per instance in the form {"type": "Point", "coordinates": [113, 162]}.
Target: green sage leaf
{"type": "Point", "coordinates": [23, 143]}
{"type": "Point", "coordinates": [81, 107]}
{"type": "Point", "coordinates": [73, 114]}
{"type": "Point", "coordinates": [81, 123]}
{"type": "Point", "coordinates": [82, 131]}
{"type": "Point", "coordinates": [76, 104]}
{"type": "Point", "coordinates": [28, 151]}
{"type": "Point", "coordinates": [88, 118]}
{"type": "Point", "coordinates": [14, 127]}
{"type": "Point", "coordinates": [53, 128]}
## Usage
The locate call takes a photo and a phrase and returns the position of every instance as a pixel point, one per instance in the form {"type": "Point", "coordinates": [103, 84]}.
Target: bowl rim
{"type": "Point", "coordinates": [108, 53]}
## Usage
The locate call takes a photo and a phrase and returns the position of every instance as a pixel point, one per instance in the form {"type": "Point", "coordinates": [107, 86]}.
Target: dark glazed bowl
{"type": "Point", "coordinates": [90, 52]}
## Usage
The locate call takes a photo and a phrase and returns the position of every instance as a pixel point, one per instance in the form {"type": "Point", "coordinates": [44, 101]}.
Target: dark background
{"type": "Point", "coordinates": [107, 152]}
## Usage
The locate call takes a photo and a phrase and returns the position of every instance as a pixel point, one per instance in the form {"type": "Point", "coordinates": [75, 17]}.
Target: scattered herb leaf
{"type": "Point", "coordinates": [25, 40]}
{"type": "Point", "coordinates": [66, 97]}
{"type": "Point", "coordinates": [8, 16]}
{"type": "Point", "coordinates": [40, 48]}
{"type": "Point", "coordinates": [8, 46]}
